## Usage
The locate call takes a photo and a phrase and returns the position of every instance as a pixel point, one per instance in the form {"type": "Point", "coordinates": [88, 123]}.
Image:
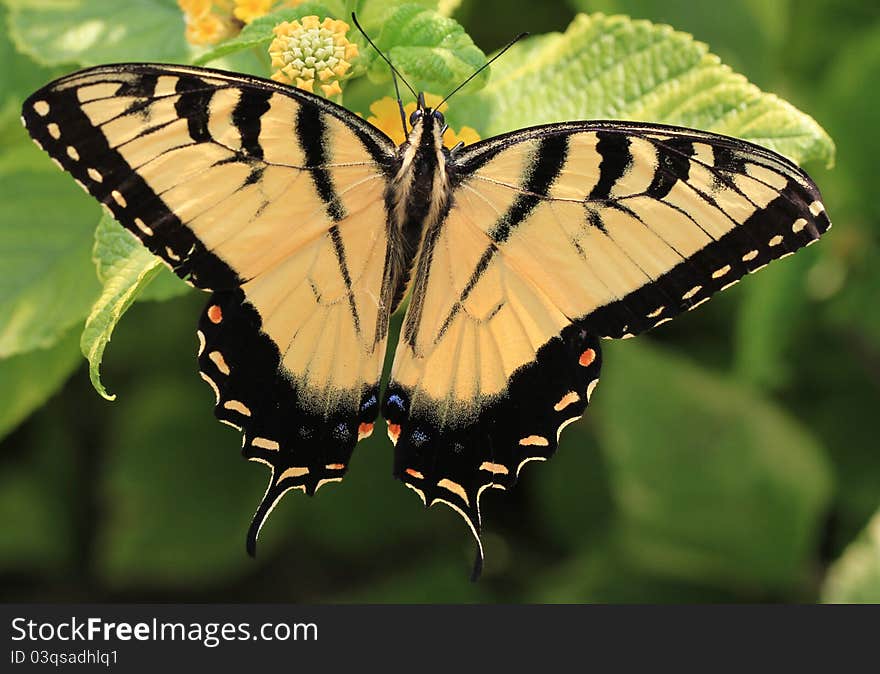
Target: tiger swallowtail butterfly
{"type": "Point", "coordinates": [308, 227]}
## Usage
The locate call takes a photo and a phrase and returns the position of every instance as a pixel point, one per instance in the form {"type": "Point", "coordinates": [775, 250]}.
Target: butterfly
{"type": "Point", "coordinates": [518, 253]}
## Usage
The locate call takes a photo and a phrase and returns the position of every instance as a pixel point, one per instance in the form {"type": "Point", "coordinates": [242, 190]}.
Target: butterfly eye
{"type": "Point", "coordinates": [415, 117]}
{"type": "Point", "coordinates": [439, 117]}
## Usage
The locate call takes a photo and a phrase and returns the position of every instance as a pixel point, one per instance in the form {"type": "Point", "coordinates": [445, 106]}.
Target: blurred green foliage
{"type": "Point", "coordinates": [729, 456]}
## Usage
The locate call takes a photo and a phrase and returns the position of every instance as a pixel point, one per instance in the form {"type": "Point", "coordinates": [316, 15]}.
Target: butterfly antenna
{"type": "Point", "coordinates": [482, 68]}
{"type": "Point", "coordinates": [391, 65]}
{"type": "Point", "coordinates": [399, 103]}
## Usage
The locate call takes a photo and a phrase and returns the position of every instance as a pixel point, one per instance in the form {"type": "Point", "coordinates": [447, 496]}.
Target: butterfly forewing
{"type": "Point", "coordinates": [557, 236]}
{"type": "Point", "coordinates": [273, 199]}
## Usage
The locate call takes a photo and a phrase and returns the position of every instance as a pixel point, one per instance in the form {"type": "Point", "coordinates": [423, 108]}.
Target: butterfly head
{"type": "Point", "coordinates": [426, 122]}
{"type": "Point", "coordinates": [423, 112]}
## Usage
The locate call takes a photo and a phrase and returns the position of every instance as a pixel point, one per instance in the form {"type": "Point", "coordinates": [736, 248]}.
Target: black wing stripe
{"type": "Point", "coordinates": [311, 134]}
{"type": "Point", "coordinates": [616, 161]}
{"type": "Point", "coordinates": [140, 87]}
{"type": "Point", "coordinates": [547, 163]}
{"type": "Point", "coordinates": [251, 106]}
{"type": "Point", "coordinates": [193, 106]}
{"type": "Point", "coordinates": [671, 167]}
{"type": "Point", "coordinates": [311, 131]}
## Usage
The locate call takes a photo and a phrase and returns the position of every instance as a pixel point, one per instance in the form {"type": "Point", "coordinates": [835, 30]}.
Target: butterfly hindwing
{"type": "Point", "coordinates": [557, 236]}
{"type": "Point", "coordinates": [304, 446]}
{"type": "Point", "coordinates": [273, 199]}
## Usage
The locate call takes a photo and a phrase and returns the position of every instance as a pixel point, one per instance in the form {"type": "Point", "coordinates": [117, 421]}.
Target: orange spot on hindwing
{"type": "Point", "coordinates": [365, 430]}
{"type": "Point", "coordinates": [587, 358]}
{"type": "Point", "coordinates": [215, 314]}
{"type": "Point", "coordinates": [393, 432]}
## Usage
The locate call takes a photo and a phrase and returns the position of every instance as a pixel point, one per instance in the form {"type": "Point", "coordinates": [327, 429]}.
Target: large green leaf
{"type": "Point", "coordinates": [89, 32]}
{"type": "Point", "coordinates": [431, 51]}
{"type": "Point", "coordinates": [614, 68]}
{"type": "Point", "coordinates": [855, 577]}
{"type": "Point", "coordinates": [126, 268]}
{"type": "Point", "coordinates": [723, 25]}
{"type": "Point", "coordinates": [46, 225]}
{"type": "Point", "coordinates": [712, 482]}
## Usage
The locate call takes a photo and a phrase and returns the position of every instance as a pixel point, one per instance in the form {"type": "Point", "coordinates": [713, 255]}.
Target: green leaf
{"type": "Point", "coordinates": [433, 52]}
{"type": "Point", "coordinates": [726, 26]}
{"type": "Point", "coordinates": [29, 379]}
{"type": "Point", "coordinates": [46, 226]}
{"type": "Point", "coordinates": [164, 286]}
{"type": "Point", "coordinates": [712, 482]}
{"type": "Point", "coordinates": [258, 33]}
{"type": "Point", "coordinates": [855, 577]}
{"type": "Point", "coordinates": [614, 68]}
{"type": "Point", "coordinates": [89, 32]}
{"type": "Point", "coordinates": [125, 267]}
{"type": "Point", "coordinates": [114, 244]}
{"type": "Point", "coordinates": [371, 14]}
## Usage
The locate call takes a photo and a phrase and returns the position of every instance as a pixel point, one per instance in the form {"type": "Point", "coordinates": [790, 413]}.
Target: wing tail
{"type": "Point", "coordinates": [454, 465]}
{"type": "Point", "coordinates": [304, 448]}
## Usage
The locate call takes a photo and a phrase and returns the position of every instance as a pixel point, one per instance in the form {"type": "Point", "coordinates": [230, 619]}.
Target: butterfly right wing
{"type": "Point", "coordinates": [557, 236]}
{"type": "Point", "coordinates": [274, 200]}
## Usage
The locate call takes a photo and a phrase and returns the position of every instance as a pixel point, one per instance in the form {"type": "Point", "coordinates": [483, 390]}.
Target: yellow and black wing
{"type": "Point", "coordinates": [558, 236]}
{"type": "Point", "coordinates": [273, 199]}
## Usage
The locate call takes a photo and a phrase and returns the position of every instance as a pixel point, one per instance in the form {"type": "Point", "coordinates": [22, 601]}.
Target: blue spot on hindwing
{"type": "Point", "coordinates": [397, 401]}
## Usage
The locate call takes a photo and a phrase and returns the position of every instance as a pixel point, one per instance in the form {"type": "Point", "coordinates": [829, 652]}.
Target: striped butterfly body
{"type": "Point", "coordinates": [308, 226]}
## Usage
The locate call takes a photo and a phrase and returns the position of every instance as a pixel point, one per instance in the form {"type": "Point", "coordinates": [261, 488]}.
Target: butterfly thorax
{"type": "Point", "coordinates": [418, 197]}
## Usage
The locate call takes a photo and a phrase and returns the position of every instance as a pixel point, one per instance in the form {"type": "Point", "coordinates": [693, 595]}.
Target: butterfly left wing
{"type": "Point", "coordinates": [273, 199]}
{"type": "Point", "coordinates": [557, 236]}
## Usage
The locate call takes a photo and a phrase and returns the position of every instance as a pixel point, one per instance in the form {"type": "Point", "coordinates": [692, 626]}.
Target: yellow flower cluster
{"type": "Point", "coordinates": [212, 21]}
{"type": "Point", "coordinates": [308, 50]}
{"type": "Point", "coordinates": [386, 117]}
